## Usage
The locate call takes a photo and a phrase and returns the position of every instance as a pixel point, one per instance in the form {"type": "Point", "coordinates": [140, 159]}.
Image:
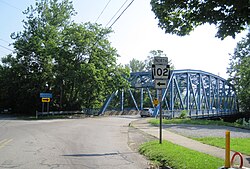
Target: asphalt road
{"type": "Point", "coordinates": [91, 143]}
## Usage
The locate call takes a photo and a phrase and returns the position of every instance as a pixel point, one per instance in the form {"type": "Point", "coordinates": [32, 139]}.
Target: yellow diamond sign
{"type": "Point", "coordinates": [156, 102]}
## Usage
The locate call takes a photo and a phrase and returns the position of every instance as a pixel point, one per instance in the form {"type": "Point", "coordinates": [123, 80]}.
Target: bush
{"type": "Point", "coordinates": [183, 114]}
{"type": "Point", "coordinates": [244, 122]}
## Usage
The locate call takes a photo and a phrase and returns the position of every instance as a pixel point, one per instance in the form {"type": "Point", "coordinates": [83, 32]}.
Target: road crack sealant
{"type": "Point", "coordinates": [9, 164]}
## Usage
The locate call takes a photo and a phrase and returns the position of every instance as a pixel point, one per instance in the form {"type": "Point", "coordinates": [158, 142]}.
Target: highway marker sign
{"type": "Point", "coordinates": [160, 71]}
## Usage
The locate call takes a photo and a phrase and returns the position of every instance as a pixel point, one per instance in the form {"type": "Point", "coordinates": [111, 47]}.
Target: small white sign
{"type": "Point", "coordinates": [160, 83]}
{"type": "Point", "coordinates": [160, 60]}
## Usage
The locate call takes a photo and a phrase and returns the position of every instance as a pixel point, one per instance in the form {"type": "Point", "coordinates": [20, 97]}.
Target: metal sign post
{"type": "Point", "coordinates": [48, 107]}
{"type": "Point", "coordinates": [42, 107]}
{"type": "Point", "coordinates": [160, 74]}
{"type": "Point", "coordinates": [45, 98]}
{"type": "Point", "coordinates": [160, 98]}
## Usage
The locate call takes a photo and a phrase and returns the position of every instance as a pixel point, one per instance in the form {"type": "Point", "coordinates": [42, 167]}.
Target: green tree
{"type": "Point", "coordinates": [239, 72]}
{"type": "Point", "coordinates": [181, 17]}
{"type": "Point", "coordinates": [136, 65]}
{"type": "Point", "coordinates": [86, 60]}
{"type": "Point", "coordinates": [75, 62]}
{"type": "Point", "coordinates": [156, 53]}
{"type": "Point", "coordinates": [146, 65]}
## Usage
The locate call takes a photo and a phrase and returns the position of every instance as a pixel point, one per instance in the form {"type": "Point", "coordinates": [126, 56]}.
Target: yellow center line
{"type": "Point", "coordinates": [2, 141]}
{"type": "Point", "coordinates": [5, 142]}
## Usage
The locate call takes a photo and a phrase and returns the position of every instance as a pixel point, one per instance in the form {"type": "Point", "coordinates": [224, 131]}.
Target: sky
{"type": "Point", "coordinates": [135, 34]}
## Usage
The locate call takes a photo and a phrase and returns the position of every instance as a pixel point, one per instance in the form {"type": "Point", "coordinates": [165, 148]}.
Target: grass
{"type": "Point", "coordinates": [236, 144]}
{"type": "Point", "coordinates": [178, 157]}
{"type": "Point", "coordinates": [196, 122]}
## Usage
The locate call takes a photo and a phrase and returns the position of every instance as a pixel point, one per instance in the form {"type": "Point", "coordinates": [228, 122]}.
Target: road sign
{"type": "Point", "coordinates": [45, 100]}
{"type": "Point", "coordinates": [156, 102]}
{"type": "Point", "coordinates": [160, 71]}
{"type": "Point", "coordinates": [45, 95]}
{"type": "Point", "coordinates": [160, 60]}
{"type": "Point", "coordinates": [160, 83]}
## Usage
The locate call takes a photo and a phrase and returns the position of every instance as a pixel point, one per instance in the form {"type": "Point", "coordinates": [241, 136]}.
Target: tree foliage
{"type": "Point", "coordinates": [146, 65]}
{"type": "Point", "coordinates": [157, 53]}
{"type": "Point", "coordinates": [74, 62]}
{"type": "Point", "coordinates": [181, 17]}
{"type": "Point", "coordinates": [136, 65]}
{"type": "Point", "coordinates": [239, 72]}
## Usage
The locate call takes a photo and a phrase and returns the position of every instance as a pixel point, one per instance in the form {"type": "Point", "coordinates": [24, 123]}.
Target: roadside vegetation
{"type": "Point", "coordinates": [238, 123]}
{"type": "Point", "coordinates": [53, 54]}
{"type": "Point", "coordinates": [236, 144]}
{"type": "Point", "coordinates": [177, 157]}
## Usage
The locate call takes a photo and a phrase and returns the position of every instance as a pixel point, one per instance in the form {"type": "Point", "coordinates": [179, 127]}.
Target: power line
{"type": "Point", "coordinates": [24, 50]}
{"type": "Point", "coordinates": [7, 48]}
{"type": "Point", "coordinates": [116, 12]}
{"type": "Point", "coordinates": [102, 11]}
{"type": "Point", "coordinates": [11, 5]}
{"type": "Point", "coordinates": [5, 41]}
{"type": "Point", "coordinates": [121, 13]}
{"type": "Point", "coordinates": [96, 20]}
{"type": "Point", "coordinates": [116, 19]}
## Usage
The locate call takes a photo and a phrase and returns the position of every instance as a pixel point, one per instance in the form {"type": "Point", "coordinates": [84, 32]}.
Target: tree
{"type": "Point", "coordinates": [239, 72]}
{"type": "Point", "coordinates": [156, 53]}
{"type": "Point", "coordinates": [74, 62]}
{"type": "Point", "coordinates": [136, 65]}
{"type": "Point", "coordinates": [146, 65]}
{"type": "Point", "coordinates": [36, 46]}
{"type": "Point", "coordinates": [181, 17]}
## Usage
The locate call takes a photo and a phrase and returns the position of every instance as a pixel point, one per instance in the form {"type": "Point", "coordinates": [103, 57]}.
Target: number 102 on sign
{"type": "Point", "coordinates": [160, 71]}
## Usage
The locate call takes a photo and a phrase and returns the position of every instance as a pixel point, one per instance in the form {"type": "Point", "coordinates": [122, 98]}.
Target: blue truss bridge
{"type": "Point", "coordinates": [198, 93]}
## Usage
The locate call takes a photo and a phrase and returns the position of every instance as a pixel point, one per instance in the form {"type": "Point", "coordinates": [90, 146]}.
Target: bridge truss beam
{"type": "Point", "coordinates": [198, 93]}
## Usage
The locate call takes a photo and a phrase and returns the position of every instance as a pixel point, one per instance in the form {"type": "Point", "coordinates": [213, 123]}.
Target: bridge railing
{"type": "Point", "coordinates": [84, 111]}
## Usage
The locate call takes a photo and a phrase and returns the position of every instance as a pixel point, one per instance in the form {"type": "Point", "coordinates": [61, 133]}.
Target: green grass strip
{"type": "Point", "coordinates": [178, 157]}
{"type": "Point", "coordinates": [195, 122]}
{"type": "Point", "coordinates": [236, 144]}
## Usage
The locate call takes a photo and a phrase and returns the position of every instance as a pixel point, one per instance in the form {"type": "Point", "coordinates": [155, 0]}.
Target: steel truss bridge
{"type": "Point", "coordinates": [198, 93]}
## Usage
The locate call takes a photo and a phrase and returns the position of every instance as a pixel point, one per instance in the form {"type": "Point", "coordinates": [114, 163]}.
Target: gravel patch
{"type": "Point", "coordinates": [206, 130]}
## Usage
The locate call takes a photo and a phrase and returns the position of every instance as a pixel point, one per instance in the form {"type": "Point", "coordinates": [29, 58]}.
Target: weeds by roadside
{"type": "Point", "coordinates": [169, 155]}
{"type": "Point", "coordinates": [239, 124]}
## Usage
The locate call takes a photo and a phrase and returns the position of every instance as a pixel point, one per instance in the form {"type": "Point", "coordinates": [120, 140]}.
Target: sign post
{"type": "Point", "coordinates": [46, 98]}
{"type": "Point", "coordinates": [160, 74]}
{"type": "Point", "coordinates": [160, 98]}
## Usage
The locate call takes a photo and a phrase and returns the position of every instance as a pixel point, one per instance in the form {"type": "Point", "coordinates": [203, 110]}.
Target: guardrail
{"type": "Point", "coordinates": [84, 111]}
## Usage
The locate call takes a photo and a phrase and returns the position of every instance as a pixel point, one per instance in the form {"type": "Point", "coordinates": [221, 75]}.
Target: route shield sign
{"type": "Point", "coordinates": [160, 71]}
